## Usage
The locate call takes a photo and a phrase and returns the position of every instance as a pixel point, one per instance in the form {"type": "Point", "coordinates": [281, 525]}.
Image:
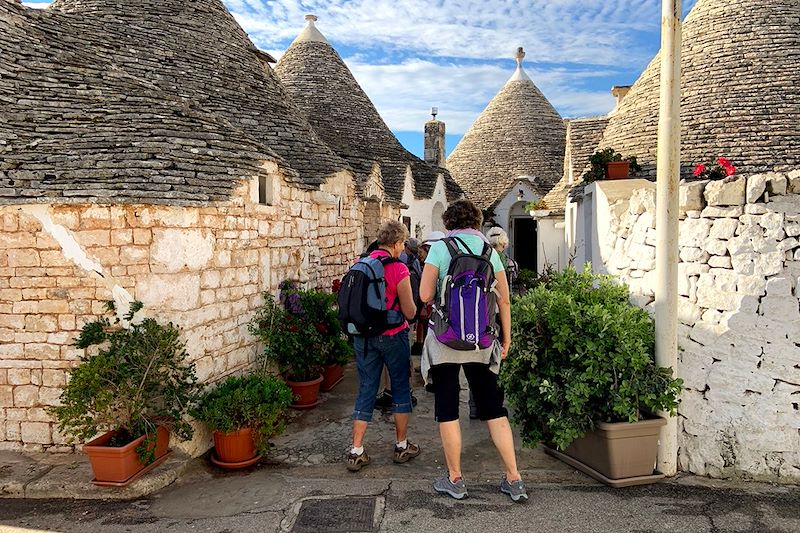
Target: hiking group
{"type": "Point", "coordinates": [461, 295]}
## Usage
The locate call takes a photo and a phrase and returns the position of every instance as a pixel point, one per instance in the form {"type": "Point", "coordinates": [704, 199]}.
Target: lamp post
{"type": "Point", "coordinates": [667, 186]}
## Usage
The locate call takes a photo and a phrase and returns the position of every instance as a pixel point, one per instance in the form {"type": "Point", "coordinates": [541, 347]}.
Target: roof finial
{"type": "Point", "coordinates": [434, 112]}
{"type": "Point", "coordinates": [520, 55]}
{"type": "Point", "coordinates": [310, 33]}
{"type": "Point", "coordinates": [311, 18]}
{"type": "Point", "coordinates": [519, 74]}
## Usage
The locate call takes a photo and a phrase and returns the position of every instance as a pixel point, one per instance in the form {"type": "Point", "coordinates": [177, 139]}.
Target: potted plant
{"type": "Point", "coordinates": [292, 343]}
{"type": "Point", "coordinates": [537, 208]}
{"type": "Point", "coordinates": [608, 164]}
{"type": "Point", "coordinates": [582, 378]}
{"type": "Point", "coordinates": [131, 391]}
{"type": "Point", "coordinates": [244, 412]}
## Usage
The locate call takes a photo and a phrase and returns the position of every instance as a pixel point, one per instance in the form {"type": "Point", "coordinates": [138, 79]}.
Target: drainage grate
{"type": "Point", "coordinates": [341, 515]}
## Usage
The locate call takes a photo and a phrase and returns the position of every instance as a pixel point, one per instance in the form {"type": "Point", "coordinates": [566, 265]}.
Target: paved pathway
{"type": "Point", "coordinates": [303, 486]}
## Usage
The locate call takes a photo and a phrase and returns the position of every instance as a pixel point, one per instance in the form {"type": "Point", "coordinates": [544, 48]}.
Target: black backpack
{"type": "Point", "coordinates": [363, 309]}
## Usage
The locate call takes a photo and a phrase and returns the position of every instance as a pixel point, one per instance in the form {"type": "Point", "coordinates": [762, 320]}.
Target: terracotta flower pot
{"type": "Point", "coordinates": [616, 170]}
{"type": "Point", "coordinates": [117, 464]}
{"type": "Point", "coordinates": [331, 376]}
{"type": "Point", "coordinates": [236, 446]}
{"type": "Point", "coordinates": [305, 392]}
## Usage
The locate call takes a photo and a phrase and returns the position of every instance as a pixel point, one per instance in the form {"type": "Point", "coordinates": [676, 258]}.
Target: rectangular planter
{"type": "Point", "coordinates": [617, 170]}
{"type": "Point", "coordinates": [621, 449]}
{"type": "Point", "coordinates": [119, 464]}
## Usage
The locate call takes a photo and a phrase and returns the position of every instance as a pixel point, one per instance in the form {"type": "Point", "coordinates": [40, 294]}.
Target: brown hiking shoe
{"type": "Point", "coordinates": [403, 455]}
{"type": "Point", "coordinates": [355, 461]}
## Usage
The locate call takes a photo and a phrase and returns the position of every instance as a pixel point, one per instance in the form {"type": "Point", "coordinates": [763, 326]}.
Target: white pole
{"type": "Point", "coordinates": [668, 176]}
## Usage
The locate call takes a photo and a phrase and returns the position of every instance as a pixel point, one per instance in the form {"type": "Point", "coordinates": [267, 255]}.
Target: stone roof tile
{"type": "Point", "coordinates": [142, 100]}
{"type": "Point", "coordinates": [322, 86]}
{"type": "Point", "coordinates": [518, 134]}
{"type": "Point", "coordinates": [740, 90]}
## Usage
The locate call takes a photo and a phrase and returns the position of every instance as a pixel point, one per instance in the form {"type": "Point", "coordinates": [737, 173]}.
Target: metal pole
{"type": "Point", "coordinates": [668, 176]}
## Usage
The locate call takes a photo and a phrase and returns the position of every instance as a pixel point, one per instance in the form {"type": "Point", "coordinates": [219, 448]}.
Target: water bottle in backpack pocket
{"type": "Point", "coordinates": [463, 316]}
{"type": "Point", "coordinates": [363, 309]}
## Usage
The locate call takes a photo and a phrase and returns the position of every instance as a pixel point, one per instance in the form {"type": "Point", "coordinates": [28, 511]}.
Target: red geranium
{"type": "Point", "coordinates": [720, 170]}
{"type": "Point", "coordinates": [699, 169]}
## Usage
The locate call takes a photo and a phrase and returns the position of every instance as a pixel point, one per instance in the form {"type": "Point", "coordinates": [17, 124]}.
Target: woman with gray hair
{"type": "Point", "coordinates": [498, 238]}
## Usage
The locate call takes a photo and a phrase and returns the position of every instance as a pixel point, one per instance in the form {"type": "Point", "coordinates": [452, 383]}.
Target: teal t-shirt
{"type": "Point", "coordinates": [439, 255]}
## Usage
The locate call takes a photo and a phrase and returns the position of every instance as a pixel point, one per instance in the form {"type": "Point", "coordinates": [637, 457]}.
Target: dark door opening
{"type": "Point", "coordinates": [525, 243]}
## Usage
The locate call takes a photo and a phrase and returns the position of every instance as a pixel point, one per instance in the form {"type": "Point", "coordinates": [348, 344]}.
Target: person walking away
{"type": "Point", "coordinates": [386, 344]}
{"type": "Point", "coordinates": [498, 238]}
{"type": "Point", "coordinates": [461, 267]}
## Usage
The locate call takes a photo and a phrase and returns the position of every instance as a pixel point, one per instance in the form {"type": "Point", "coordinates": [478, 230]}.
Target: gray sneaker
{"type": "Point", "coordinates": [457, 490]}
{"type": "Point", "coordinates": [515, 489]}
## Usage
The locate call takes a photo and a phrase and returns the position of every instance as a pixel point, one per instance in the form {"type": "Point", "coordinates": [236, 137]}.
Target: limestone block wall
{"type": "Point", "coordinates": [203, 268]}
{"type": "Point", "coordinates": [739, 312]}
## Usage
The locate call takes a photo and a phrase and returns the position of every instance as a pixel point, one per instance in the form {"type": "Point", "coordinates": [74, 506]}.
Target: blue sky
{"type": "Point", "coordinates": [409, 55]}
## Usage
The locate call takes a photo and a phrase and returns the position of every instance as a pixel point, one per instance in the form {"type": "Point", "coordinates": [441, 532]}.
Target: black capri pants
{"type": "Point", "coordinates": [482, 383]}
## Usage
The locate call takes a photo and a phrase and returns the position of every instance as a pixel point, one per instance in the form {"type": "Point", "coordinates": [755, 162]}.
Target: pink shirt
{"type": "Point", "coordinates": [394, 273]}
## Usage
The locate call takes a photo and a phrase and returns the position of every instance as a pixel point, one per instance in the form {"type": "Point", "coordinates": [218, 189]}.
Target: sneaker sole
{"type": "Point", "coordinates": [515, 497]}
{"type": "Point", "coordinates": [356, 468]}
{"type": "Point", "coordinates": [456, 495]}
{"type": "Point", "coordinates": [407, 458]}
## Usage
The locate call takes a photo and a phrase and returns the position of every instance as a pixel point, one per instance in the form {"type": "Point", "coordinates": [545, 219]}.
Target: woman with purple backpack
{"type": "Point", "coordinates": [466, 281]}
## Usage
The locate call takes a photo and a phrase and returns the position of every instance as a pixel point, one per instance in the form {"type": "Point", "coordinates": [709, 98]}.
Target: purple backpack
{"type": "Point", "coordinates": [464, 315]}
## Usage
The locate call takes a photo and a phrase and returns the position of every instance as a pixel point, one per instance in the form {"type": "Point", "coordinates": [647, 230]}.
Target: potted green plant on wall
{"type": "Point", "coordinates": [292, 344]}
{"type": "Point", "coordinates": [132, 388]}
{"type": "Point", "coordinates": [537, 208]}
{"type": "Point", "coordinates": [244, 412]}
{"type": "Point", "coordinates": [608, 164]}
{"type": "Point", "coordinates": [581, 372]}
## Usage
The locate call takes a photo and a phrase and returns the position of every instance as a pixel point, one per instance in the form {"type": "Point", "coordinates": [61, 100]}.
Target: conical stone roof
{"type": "Point", "coordinates": [518, 134]}
{"type": "Point", "coordinates": [141, 100]}
{"type": "Point", "coordinates": [740, 90]}
{"type": "Point", "coordinates": [321, 85]}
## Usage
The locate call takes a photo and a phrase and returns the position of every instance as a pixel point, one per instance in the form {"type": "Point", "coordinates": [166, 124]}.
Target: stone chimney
{"type": "Point", "coordinates": [619, 91]}
{"type": "Point", "coordinates": [434, 140]}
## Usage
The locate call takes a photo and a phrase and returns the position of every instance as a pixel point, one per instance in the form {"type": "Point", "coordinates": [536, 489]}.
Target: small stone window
{"type": "Point", "coordinates": [261, 190]}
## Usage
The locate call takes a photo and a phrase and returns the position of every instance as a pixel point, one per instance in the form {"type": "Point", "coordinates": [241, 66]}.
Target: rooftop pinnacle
{"type": "Point", "coordinates": [519, 74]}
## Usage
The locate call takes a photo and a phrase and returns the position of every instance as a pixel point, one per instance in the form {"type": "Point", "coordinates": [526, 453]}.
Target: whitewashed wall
{"type": "Point", "coordinates": [427, 211]}
{"type": "Point", "coordinates": [739, 311]}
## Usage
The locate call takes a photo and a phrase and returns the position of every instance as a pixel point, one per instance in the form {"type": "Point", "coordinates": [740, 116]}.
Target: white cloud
{"type": "Point", "coordinates": [403, 93]}
{"type": "Point", "coordinates": [557, 31]}
{"type": "Point", "coordinates": [37, 5]}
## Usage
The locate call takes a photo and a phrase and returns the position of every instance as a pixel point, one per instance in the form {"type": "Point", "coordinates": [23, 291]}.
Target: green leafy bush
{"type": "Point", "coordinates": [135, 380]}
{"type": "Point", "coordinates": [582, 354]}
{"type": "Point", "coordinates": [301, 332]}
{"type": "Point", "coordinates": [253, 401]}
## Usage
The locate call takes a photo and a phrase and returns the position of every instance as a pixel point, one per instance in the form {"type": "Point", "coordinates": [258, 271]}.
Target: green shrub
{"type": "Point", "coordinates": [582, 354]}
{"type": "Point", "coordinates": [136, 380]}
{"type": "Point", "coordinates": [253, 401]}
{"type": "Point", "coordinates": [301, 333]}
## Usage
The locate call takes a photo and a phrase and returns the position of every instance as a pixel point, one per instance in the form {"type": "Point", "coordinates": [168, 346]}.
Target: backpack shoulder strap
{"type": "Point", "coordinates": [487, 252]}
{"type": "Point", "coordinates": [452, 248]}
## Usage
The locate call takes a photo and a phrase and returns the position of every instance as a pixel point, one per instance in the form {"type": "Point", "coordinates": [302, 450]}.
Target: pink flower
{"type": "Point", "coordinates": [724, 162]}
{"type": "Point", "coordinates": [730, 170]}
{"type": "Point", "coordinates": [699, 169]}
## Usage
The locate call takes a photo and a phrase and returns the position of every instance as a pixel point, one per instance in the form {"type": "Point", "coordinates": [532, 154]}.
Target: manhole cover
{"type": "Point", "coordinates": [341, 515]}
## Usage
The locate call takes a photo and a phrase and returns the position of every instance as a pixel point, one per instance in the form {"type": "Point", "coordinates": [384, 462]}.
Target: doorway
{"type": "Point", "coordinates": [525, 242]}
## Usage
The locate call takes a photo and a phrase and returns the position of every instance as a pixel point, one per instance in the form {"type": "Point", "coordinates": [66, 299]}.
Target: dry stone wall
{"type": "Point", "coordinates": [739, 312]}
{"type": "Point", "coordinates": [203, 268]}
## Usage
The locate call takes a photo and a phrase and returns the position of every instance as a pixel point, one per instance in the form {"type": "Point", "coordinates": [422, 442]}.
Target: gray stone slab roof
{"type": "Point", "coordinates": [518, 134]}
{"type": "Point", "coordinates": [740, 90]}
{"type": "Point", "coordinates": [583, 134]}
{"type": "Point", "coordinates": [142, 100]}
{"type": "Point", "coordinates": [322, 86]}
